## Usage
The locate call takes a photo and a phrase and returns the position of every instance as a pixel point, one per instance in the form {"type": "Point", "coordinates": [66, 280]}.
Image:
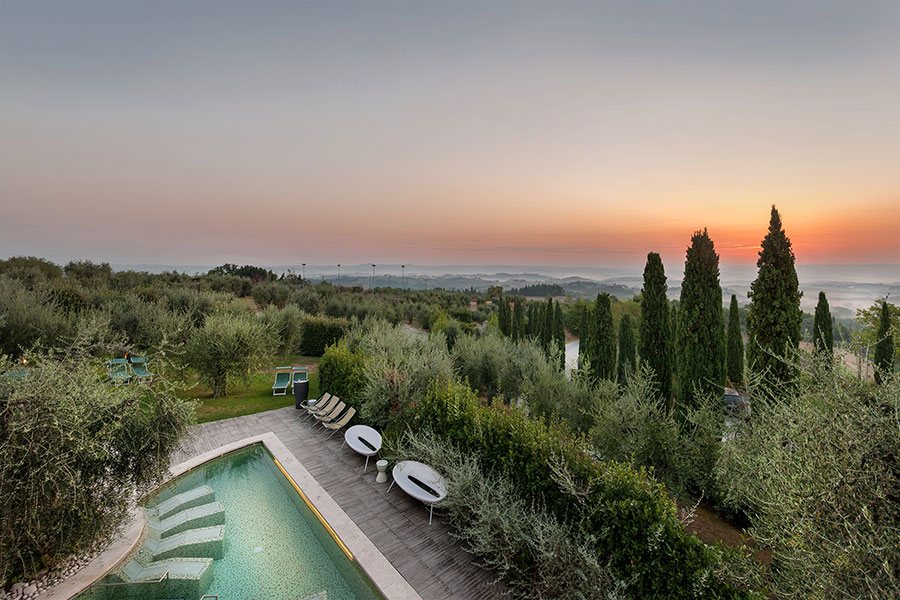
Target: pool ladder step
{"type": "Point", "coordinates": [189, 499]}
{"type": "Point", "coordinates": [202, 542]}
{"type": "Point", "coordinates": [205, 515]}
{"type": "Point", "coordinates": [170, 578]}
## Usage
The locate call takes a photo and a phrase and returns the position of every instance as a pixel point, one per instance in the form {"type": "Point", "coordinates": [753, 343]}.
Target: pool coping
{"type": "Point", "coordinates": [389, 582]}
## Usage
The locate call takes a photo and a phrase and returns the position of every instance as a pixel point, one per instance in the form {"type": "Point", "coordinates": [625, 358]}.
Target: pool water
{"type": "Point", "coordinates": [274, 546]}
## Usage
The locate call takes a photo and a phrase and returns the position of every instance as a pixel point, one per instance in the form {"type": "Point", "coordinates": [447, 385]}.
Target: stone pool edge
{"type": "Point", "coordinates": [390, 583]}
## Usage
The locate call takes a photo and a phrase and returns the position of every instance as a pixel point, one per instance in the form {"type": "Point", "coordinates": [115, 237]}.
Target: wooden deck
{"type": "Point", "coordinates": [432, 561]}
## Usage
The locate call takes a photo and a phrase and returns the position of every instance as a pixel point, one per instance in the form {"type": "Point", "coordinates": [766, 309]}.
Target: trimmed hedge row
{"type": "Point", "coordinates": [321, 332]}
{"type": "Point", "coordinates": [341, 373]}
{"type": "Point", "coordinates": [632, 517]}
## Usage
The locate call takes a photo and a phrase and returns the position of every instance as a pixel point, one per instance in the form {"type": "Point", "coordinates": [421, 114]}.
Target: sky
{"type": "Point", "coordinates": [558, 133]}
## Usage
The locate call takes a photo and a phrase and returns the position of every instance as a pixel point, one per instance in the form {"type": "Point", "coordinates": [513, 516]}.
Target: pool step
{"type": "Point", "coordinates": [323, 595]}
{"type": "Point", "coordinates": [189, 499]}
{"type": "Point", "coordinates": [205, 515]}
{"type": "Point", "coordinates": [202, 542]}
{"type": "Point", "coordinates": [171, 578]}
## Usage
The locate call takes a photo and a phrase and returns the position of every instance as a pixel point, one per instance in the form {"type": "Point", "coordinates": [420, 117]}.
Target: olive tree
{"type": "Point", "coordinates": [73, 450]}
{"type": "Point", "coordinates": [229, 346]}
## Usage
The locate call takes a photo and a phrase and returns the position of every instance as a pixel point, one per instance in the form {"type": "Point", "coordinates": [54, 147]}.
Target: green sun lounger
{"type": "Point", "coordinates": [118, 369]}
{"type": "Point", "coordinates": [282, 381]}
{"type": "Point", "coordinates": [139, 368]}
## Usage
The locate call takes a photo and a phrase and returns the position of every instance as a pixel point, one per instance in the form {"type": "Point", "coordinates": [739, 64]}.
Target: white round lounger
{"type": "Point", "coordinates": [364, 440]}
{"type": "Point", "coordinates": [421, 482]}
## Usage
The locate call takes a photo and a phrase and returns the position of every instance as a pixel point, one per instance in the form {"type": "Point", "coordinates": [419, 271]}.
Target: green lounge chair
{"type": "Point", "coordinates": [139, 368]}
{"type": "Point", "coordinates": [282, 381]}
{"type": "Point", "coordinates": [118, 369]}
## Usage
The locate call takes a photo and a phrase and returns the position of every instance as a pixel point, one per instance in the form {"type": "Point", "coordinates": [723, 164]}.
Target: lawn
{"type": "Point", "coordinates": [253, 398]}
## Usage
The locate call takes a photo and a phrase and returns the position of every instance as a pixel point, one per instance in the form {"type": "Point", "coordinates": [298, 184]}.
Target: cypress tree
{"type": "Point", "coordinates": [504, 318]}
{"type": "Point", "coordinates": [884, 347]}
{"type": "Point", "coordinates": [531, 326]}
{"type": "Point", "coordinates": [603, 340]}
{"type": "Point", "coordinates": [584, 328]}
{"type": "Point", "coordinates": [518, 320]}
{"type": "Point", "coordinates": [547, 328]}
{"type": "Point", "coordinates": [774, 316]}
{"type": "Point", "coordinates": [701, 343]}
{"type": "Point", "coordinates": [559, 334]}
{"type": "Point", "coordinates": [655, 335]}
{"type": "Point", "coordinates": [823, 337]}
{"type": "Point", "coordinates": [627, 354]}
{"type": "Point", "coordinates": [734, 349]}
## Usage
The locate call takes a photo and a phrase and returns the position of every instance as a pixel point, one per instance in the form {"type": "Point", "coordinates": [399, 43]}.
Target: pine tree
{"type": "Point", "coordinates": [701, 343]}
{"type": "Point", "coordinates": [884, 347]}
{"type": "Point", "coordinates": [774, 316]}
{"type": "Point", "coordinates": [504, 317]}
{"type": "Point", "coordinates": [603, 340]}
{"type": "Point", "coordinates": [734, 349]}
{"type": "Point", "coordinates": [518, 320]}
{"type": "Point", "coordinates": [627, 354]}
{"type": "Point", "coordinates": [655, 336]}
{"type": "Point", "coordinates": [823, 338]}
{"type": "Point", "coordinates": [559, 334]}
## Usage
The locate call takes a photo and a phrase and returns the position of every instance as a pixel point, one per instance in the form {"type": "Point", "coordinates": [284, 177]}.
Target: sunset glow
{"type": "Point", "coordinates": [510, 133]}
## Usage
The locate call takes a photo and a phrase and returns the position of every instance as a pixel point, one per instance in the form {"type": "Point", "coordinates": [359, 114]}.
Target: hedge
{"type": "Point", "coordinates": [321, 332]}
{"type": "Point", "coordinates": [341, 373]}
{"type": "Point", "coordinates": [630, 514]}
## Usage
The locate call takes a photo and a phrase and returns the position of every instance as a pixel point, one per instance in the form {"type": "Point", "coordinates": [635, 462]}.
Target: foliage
{"type": "Point", "coordinates": [342, 373]}
{"type": "Point", "coordinates": [817, 473]}
{"type": "Point", "coordinates": [538, 290]}
{"type": "Point", "coordinates": [28, 318]}
{"type": "Point", "coordinates": [734, 348]}
{"type": "Point", "coordinates": [287, 325]}
{"type": "Point", "coordinates": [255, 274]}
{"type": "Point", "coordinates": [89, 273]}
{"type": "Point", "coordinates": [700, 339]}
{"type": "Point", "coordinates": [147, 325]}
{"type": "Point", "coordinates": [321, 332]}
{"type": "Point", "coordinates": [29, 269]}
{"type": "Point", "coordinates": [774, 317]}
{"type": "Point", "coordinates": [655, 348]}
{"type": "Point", "coordinates": [229, 347]}
{"type": "Point", "coordinates": [602, 350]}
{"type": "Point", "coordinates": [269, 293]}
{"type": "Point", "coordinates": [518, 320]}
{"type": "Point", "coordinates": [74, 450]}
{"type": "Point", "coordinates": [870, 322]}
{"type": "Point", "coordinates": [627, 350]}
{"type": "Point", "coordinates": [631, 520]}
{"type": "Point", "coordinates": [504, 315]}
{"type": "Point", "coordinates": [536, 554]}
{"type": "Point", "coordinates": [823, 337]}
{"type": "Point", "coordinates": [884, 348]}
{"type": "Point", "coordinates": [496, 366]}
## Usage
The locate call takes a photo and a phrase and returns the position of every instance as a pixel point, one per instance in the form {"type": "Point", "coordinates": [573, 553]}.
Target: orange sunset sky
{"type": "Point", "coordinates": [564, 133]}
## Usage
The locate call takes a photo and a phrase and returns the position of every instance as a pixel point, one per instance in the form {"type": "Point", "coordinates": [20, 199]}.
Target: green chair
{"type": "Point", "coordinates": [118, 369]}
{"type": "Point", "coordinates": [139, 368]}
{"type": "Point", "coordinates": [282, 381]}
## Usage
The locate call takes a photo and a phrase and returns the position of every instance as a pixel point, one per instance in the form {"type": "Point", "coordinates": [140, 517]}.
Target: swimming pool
{"type": "Point", "coordinates": [273, 544]}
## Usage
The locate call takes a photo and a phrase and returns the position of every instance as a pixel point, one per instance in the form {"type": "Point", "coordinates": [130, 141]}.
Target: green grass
{"type": "Point", "coordinates": [253, 398]}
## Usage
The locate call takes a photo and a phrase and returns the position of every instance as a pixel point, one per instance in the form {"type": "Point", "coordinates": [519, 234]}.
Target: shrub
{"type": "Point", "coordinates": [229, 347]}
{"type": "Point", "coordinates": [319, 333]}
{"type": "Point", "coordinates": [147, 325]}
{"type": "Point", "coordinates": [74, 450]}
{"type": "Point", "coordinates": [29, 318]}
{"type": "Point", "coordinates": [287, 325]}
{"type": "Point", "coordinates": [271, 293]}
{"type": "Point", "coordinates": [496, 366]}
{"type": "Point", "coordinates": [817, 474]}
{"type": "Point", "coordinates": [342, 373]}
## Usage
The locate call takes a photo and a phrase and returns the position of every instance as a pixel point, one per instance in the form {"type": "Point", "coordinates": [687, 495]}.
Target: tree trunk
{"type": "Point", "coordinates": [219, 387]}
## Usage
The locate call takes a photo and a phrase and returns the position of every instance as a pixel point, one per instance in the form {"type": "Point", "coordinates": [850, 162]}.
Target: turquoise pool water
{"type": "Point", "coordinates": [274, 546]}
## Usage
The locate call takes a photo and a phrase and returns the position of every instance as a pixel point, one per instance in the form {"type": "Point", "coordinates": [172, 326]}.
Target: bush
{"type": "Point", "coordinates": [631, 519]}
{"type": "Point", "coordinates": [287, 325]}
{"type": "Point", "coordinates": [74, 451]}
{"type": "Point", "coordinates": [271, 293]}
{"type": "Point", "coordinates": [342, 373]}
{"type": "Point", "coordinates": [817, 474]}
{"type": "Point", "coordinates": [321, 332]}
{"type": "Point", "coordinates": [229, 347]}
{"type": "Point", "coordinates": [494, 365]}
{"type": "Point", "coordinates": [29, 318]}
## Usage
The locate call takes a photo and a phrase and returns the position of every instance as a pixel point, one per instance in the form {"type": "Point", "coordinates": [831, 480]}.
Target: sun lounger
{"type": "Point", "coordinates": [336, 426]}
{"type": "Point", "coordinates": [282, 381]}
{"type": "Point", "coordinates": [312, 404]}
{"type": "Point", "coordinates": [118, 369]}
{"type": "Point", "coordinates": [316, 411]}
{"type": "Point", "coordinates": [332, 414]}
{"type": "Point", "coordinates": [139, 368]}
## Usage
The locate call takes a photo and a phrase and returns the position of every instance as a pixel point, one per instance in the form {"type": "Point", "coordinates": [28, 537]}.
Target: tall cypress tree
{"type": "Point", "coordinates": [518, 320]}
{"type": "Point", "coordinates": [547, 327]}
{"type": "Point", "coordinates": [884, 347]}
{"type": "Point", "coordinates": [701, 343]}
{"type": "Point", "coordinates": [823, 337]}
{"type": "Point", "coordinates": [504, 317]}
{"type": "Point", "coordinates": [584, 329]}
{"type": "Point", "coordinates": [559, 334]}
{"type": "Point", "coordinates": [774, 317]}
{"type": "Point", "coordinates": [603, 340]}
{"type": "Point", "coordinates": [531, 328]}
{"type": "Point", "coordinates": [734, 348]}
{"type": "Point", "coordinates": [655, 335]}
{"type": "Point", "coordinates": [627, 354]}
